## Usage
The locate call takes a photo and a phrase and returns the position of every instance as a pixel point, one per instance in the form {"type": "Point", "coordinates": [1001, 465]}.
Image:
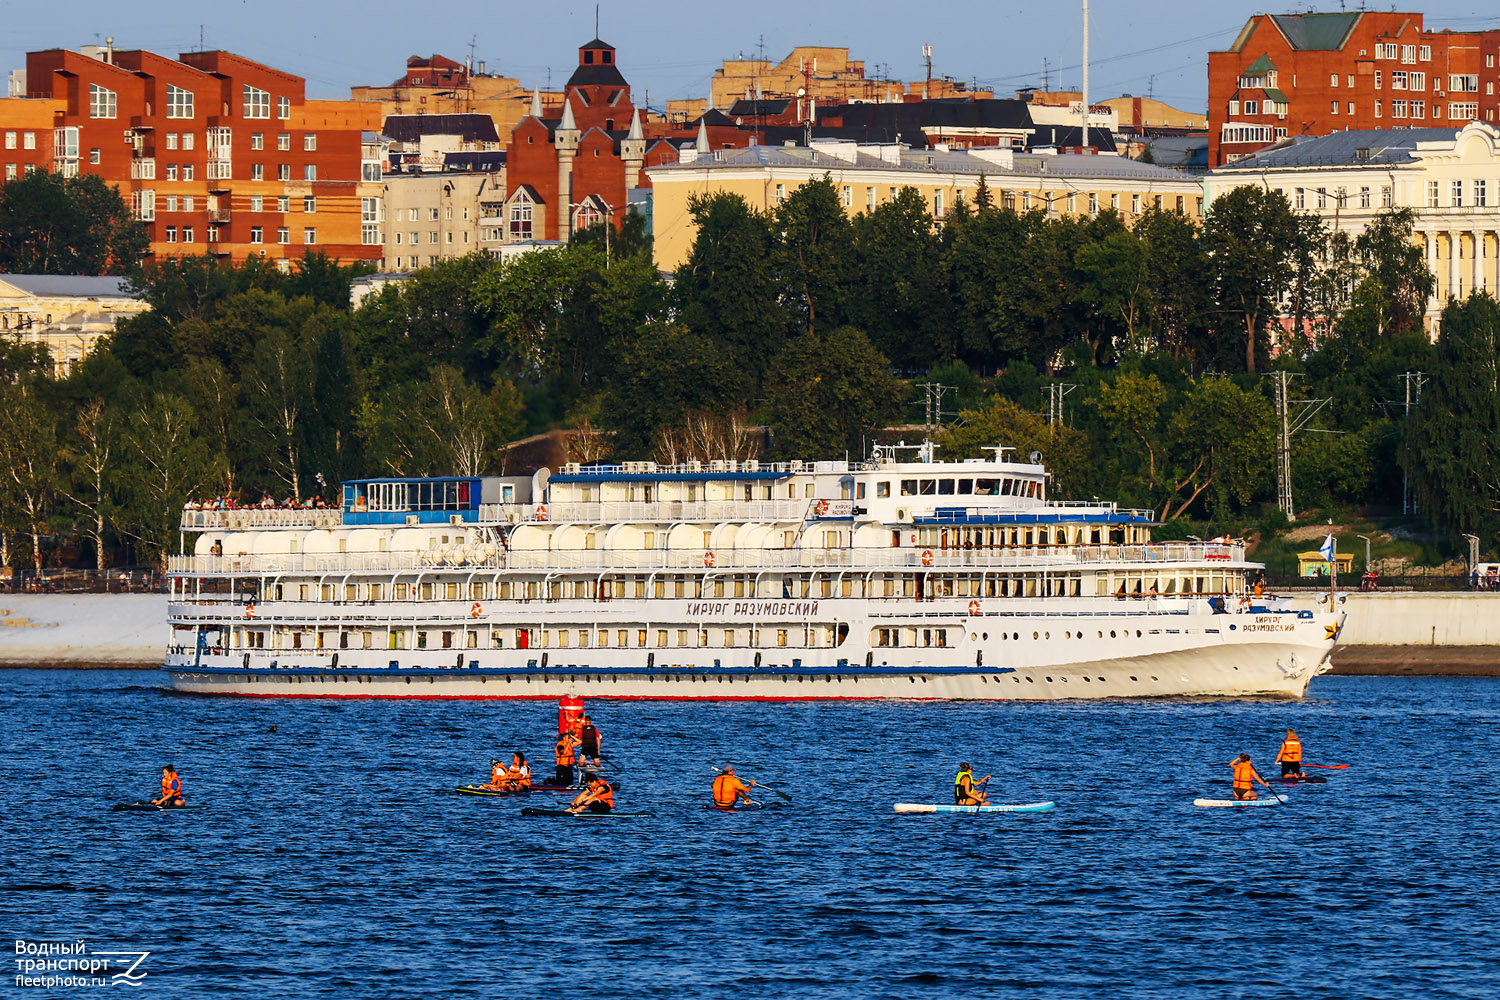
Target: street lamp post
{"type": "Point", "coordinates": [1367, 551]}
{"type": "Point", "coordinates": [1473, 541]}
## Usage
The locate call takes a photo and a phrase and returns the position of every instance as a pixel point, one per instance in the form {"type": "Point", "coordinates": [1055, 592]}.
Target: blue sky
{"type": "Point", "coordinates": [668, 48]}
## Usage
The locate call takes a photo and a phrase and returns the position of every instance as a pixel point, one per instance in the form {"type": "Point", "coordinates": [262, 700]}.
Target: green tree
{"type": "Point", "coordinates": [278, 397]}
{"type": "Point", "coordinates": [91, 455]}
{"type": "Point", "coordinates": [1253, 241]}
{"type": "Point", "coordinates": [828, 393]}
{"type": "Point", "coordinates": [1132, 405]}
{"type": "Point", "coordinates": [1219, 443]}
{"type": "Point", "coordinates": [1452, 452]}
{"type": "Point", "coordinates": [1177, 276]}
{"type": "Point", "coordinates": [170, 462]}
{"type": "Point", "coordinates": [50, 224]}
{"type": "Point", "coordinates": [28, 464]}
{"type": "Point", "coordinates": [726, 289]}
{"type": "Point", "coordinates": [665, 376]}
{"type": "Point", "coordinates": [900, 291]}
{"type": "Point", "coordinates": [813, 255]}
{"type": "Point", "coordinates": [1064, 450]}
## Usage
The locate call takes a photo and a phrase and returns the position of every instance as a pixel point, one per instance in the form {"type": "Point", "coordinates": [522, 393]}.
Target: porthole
{"type": "Point", "coordinates": [1101, 635]}
{"type": "Point", "coordinates": [1064, 680]}
{"type": "Point", "coordinates": [1032, 680]}
{"type": "Point", "coordinates": [1101, 680]}
{"type": "Point", "coordinates": [1232, 628]}
{"type": "Point", "coordinates": [1111, 633]}
{"type": "Point", "coordinates": [1086, 679]}
{"type": "Point", "coordinates": [986, 635]}
{"type": "Point", "coordinates": [1015, 636]}
{"type": "Point", "coordinates": [1134, 678]}
{"type": "Point", "coordinates": [1153, 677]}
{"type": "Point", "coordinates": [1067, 635]}
{"type": "Point", "coordinates": [973, 637]}
{"type": "Point", "coordinates": [1036, 635]}
{"type": "Point", "coordinates": [1049, 680]}
{"type": "Point", "coordinates": [1018, 680]}
{"type": "Point", "coordinates": [1046, 635]}
{"type": "Point", "coordinates": [1137, 633]}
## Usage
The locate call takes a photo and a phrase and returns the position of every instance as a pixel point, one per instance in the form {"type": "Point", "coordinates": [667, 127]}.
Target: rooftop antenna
{"type": "Point", "coordinates": [596, 20]}
{"type": "Point", "coordinates": [200, 38]}
{"type": "Point", "coordinates": [927, 57]}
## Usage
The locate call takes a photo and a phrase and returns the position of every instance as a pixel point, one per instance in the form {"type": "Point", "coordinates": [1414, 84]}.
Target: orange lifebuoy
{"type": "Point", "coordinates": [250, 610]}
{"type": "Point", "coordinates": [708, 558]}
{"type": "Point", "coordinates": [821, 507]}
{"type": "Point", "coordinates": [973, 607]}
{"type": "Point", "coordinates": [541, 512]}
{"type": "Point", "coordinates": [476, 610]}
{"type": "Point", "coordinates": [927, 557]}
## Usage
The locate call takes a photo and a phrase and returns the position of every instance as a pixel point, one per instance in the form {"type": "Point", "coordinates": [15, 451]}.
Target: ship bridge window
{"type": "Point", "coordinates": [966, 486]}
{"type": "Point", "coordinates": [945, 487]}
{"type": "Point", "coordinates": [928, 487]}
{"type": "Point", "coordinates": [987, 487]}
{"type": "Point", "coordinates": [908, 487]}
{"type": "Point", "coordinates": [882, 490]}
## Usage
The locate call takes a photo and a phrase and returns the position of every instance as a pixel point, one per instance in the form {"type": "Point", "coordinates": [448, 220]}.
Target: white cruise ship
{"type": "Point", "coordinates": [727, 580]}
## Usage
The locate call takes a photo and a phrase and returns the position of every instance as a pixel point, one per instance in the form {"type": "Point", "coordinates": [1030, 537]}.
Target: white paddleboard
{"type": "Point", "coordinates": [923, 807]}
{"type": "Point", "coordinates": [1237, 802]}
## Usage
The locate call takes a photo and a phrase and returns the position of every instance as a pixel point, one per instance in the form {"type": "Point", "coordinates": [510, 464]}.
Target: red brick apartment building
{"type": "Point", "coordinates": [214, 152]}
{"type": "Point", "coordinates": [1315, 74]}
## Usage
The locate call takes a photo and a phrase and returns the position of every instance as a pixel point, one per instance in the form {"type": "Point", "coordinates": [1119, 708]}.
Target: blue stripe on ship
{"type": "Point", "coordinates": [575, 671]}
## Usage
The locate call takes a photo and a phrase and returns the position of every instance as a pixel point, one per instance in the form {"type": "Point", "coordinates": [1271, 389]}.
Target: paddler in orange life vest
{"type": "Point", "coordinates": [517, 778]}
{"type": "Point", "coordinates": [171, 788]}
{"type": "Point", "coordinates": [590, 742]}
{"type": "Point", "coordinates": [1290, 755]}
{"type": "Point", "coordinates": [1245, 777]}
{"type": "Point", "coordinates": [597, 796]}
{"type": "Point", "coordinates": [966, 791]}
{"type": "Point", "coordinates": [567, 743]}
{"type": "Point", "coordinates": [728, 790]}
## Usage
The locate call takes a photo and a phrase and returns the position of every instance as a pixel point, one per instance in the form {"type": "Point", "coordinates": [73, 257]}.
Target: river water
{"type": "Point", "coordinates": [334, 861]}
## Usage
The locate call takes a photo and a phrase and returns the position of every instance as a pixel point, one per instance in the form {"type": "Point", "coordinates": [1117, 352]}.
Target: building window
{"type": "Point", "coordinates": [171, 203]}
{"type": "Point", "coordinates": [1300, 199]}
{"type": "Point", "coordinates": [1418, 81]}
{"type": "Point", "coordinates": [309, 203]}
{"type": "Point", "coordinates": [257, 140]}
{"type": "Point", "coordinates": [1322, 197]}
{"type": "Point", "coordinates": [179, 102]}
{"type": "Point", "coordinates": [1408, 54]}
{"type": "Point", "coordinates": [187, 203]}
{"type": "Point", "coordinates": [171, 171]}
{"type": "Point", "coordinates": [1351, 107]}
{"type": "Point", "coordinates": [187, 171]}
{"type": "Point", "coordinates": [187, 140]}
{"type": "Point", "coordinates": [1378, 109]}
{"type": "Point", "coordinates": [520, 220]}
{"type": "Point", "coordinates": [10, 140]}
{"type": "Point", "coordinates": [283, 234]}
{"type": "Point", "coordinates": [1364, 197]}
{"type": "Point", "coordinates": [284, 141]}
{"type": "Point", "coordinates": [283, 108]}
{"type": "Point", "coordinates": [1234, 108]}
{"type": "Point", "coordinates": [432, 214]}
{"type": "Point", "coordinates": [1432, 194]}
{"type": "Point", "coordinates": [1094, 203]}
{"type": "Point", "coordinates": [369, 219]}
{"type": "Point", "coordinates": [283, 203]}
{"type": "Point", "coordinates": [1419, 109]}
{"type": "Point", "coordinates": [1398, 109]}
{"type": "Point", "coordinates": [257, 234]}
{"type": "Point", "coordinates": [1481, 194]}
{"type": "Point", "coordinates": [1135, 204]}
{"type": "Point", "coordinates": [102, 102]}
{"type": "Point", "coordinates": [256, 203]}
{"type": "Point", "coordinates": [187, 234]}
{"type": "Point", "coordinates": [144, 204]}
{"type": "Point", "coordinates": [1334, 80]}
{"type": "Point", "coordinates": [171, 140]}
{"type": "Point", "coordinates": [309, 172]}
{"type": "Point", "coordinates": [310, 141]}
{"type": "Point", "coordinates": [432, 237]}
{"type": "Point", "coordinates": [1398, 79]}
{"type": "Point", "coordinates": [257, 171]}
{"type": "Point", "coordinates": [1457, 193]}
{"type": "Point", "coordinates": [1333, 107]}
{"type": "Point", "coordinates": [869, 196]}
{"type": "Point", "coordinates": [309, 236]}
{"type": "Point", "coordinates": [94, 156]}
{"type": "Point", "coordinates": [1377, 78]}
{"type": "Point", "coordinates": [848, 196]}
{"type": "Point", "coordinates": [1468, 111]}
{"type": "Point", "coordinates": [283, 171]}
{"type": "Point", "coordinates": [257, 102]}
{"type": "Point", "coordinates": [937, 204]}
{"type": "Point", "coordinates": [28, 140]}
{"type": "Point", "coordinates": [1427, 53]}
{"type": "Point", "coordinates": [171, 234]}
{"type": "Point", "coordinates": [780, 193]}
{"type": "Point", "coordinates": [1252, 107]}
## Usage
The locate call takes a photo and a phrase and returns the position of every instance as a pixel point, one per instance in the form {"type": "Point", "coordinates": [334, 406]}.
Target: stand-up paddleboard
{"type": "Point", "coordinates": [925, 807]}
{"type": "Point", "coordinates": [1236, 802]}
{"type": "Point", "coordinates": [735, 809]}
{"type": "Point", "coordinates": [532, 811]}
{"type": "Point", "coordinates": [151, 807]}
{"type": "Point", "coordinates": [1315, 780]}
{"type": "Point", "coordinates": [513, 793]}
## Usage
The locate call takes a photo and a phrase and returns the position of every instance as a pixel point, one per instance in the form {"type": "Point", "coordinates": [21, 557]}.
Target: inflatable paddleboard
{"type": "Point", "coordinates": [532, 811]}
{"type": "Point", "coordinates": [1209, 803]}
{"type": "Point", "coordinates": [150, 807]}
{"type": "Point", "coordinates": [922, 807]}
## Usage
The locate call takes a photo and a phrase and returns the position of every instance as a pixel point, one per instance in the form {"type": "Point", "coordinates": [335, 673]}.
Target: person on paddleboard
{"type": "Point", "coordinates": [967, 791]}
{"type": "Point", "coordinates": [729, 790]}
{"type": "Point", "coordinates": [597, 797]}
{"type": "Point", "coordinates": [1290, 756]}
{"type": "Point", "coordinates": [589, 742]}
{"type": "Point", "coordinates": [1245, 777]}
{"type": "Point", "coordinates": [171, 788]}
{"type": "Point", "coordinates": [497, 776]}
{"type": "Point", "coordinates": [567, 745]}
{"type": "Point", "coordinates": [517, 777]}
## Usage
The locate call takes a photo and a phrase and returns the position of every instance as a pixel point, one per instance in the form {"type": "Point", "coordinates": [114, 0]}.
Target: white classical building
{"type": "Point", "coordinates": [66, 313]}
{"type": "Point", "coordinates": [1448, 177]}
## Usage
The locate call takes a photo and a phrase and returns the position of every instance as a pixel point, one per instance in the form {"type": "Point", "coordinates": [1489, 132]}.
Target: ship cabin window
{"type": "Point", "coordinates": [859, 491]}
{"type": "Point", "coordinates": [908, 487]}
{"type": "Point", "coordinates": [927, 487]}
{"type": "Point", "coordinates": [882, 490]}
{"type": "Point", "coordinates": [421, 640]}
{"type": "Point", "coordinates": [945, 487]}
{"type": "Point", "coordinates": [749, 492]}
{"type": "Point", "coordinates": [810, 490]}
{"type": "Point", "coordinates": [966, 486]}
{"type": "Point", "coordinates": [987, 487]}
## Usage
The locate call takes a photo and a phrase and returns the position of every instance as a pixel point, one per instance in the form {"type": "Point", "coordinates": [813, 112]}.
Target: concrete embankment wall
{"type": "Point", "coordinates": [83, 629]}
{"type": "Point", "coordinates": [1451, 633]}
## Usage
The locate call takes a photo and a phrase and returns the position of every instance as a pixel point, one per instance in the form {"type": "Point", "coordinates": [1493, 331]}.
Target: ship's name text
{"type": "Point", "coordinates": [753, 609]}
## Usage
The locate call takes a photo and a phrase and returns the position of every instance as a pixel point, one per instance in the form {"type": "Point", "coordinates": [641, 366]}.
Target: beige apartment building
{"type": "Point", "coordinates": [434, 216]}
{"type": "Point", "coordinates": [66, 313]}
{"type": "Point", "coordinates": [1448, 177]}
{"type": "Point", "coordinates": [867, 176]}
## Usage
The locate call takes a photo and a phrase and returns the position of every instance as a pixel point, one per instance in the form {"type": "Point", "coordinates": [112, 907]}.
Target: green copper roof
{"type": "Point", "coordinates": [1316, 31]}
{"type": "Point", "coordinates": [1261, 65]}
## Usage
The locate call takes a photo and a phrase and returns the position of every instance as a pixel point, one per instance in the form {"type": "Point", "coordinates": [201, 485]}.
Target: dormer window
{"type": "Point", "coordinates": [588, 57]}
{"type": "Point", "coordinates": [607, 56]}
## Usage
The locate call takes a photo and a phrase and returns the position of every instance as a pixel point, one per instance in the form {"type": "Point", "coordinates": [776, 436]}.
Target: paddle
{"type": "Point", "coordinates": [1268, 788]}
{"type": "Point", "coordinates": [1329, 767]}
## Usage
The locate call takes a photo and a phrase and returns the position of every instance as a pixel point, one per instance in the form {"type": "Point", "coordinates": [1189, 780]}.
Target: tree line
{"type": "Point", "coordinates": [816, 326]}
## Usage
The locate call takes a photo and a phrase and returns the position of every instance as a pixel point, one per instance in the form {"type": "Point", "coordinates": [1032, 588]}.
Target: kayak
{"type": "Point", "coordinates": [151, 807]}
{"type": "Point", "coordinates": [532, 811]}
{"type": "Point", "coordinates": [1236, 802]}
{"type": "Point", "coordinates": [1027, 807]}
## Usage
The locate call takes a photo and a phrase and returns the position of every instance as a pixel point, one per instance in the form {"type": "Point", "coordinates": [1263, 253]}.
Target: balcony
{"type": "Point", "coordinates": [218, 216]}
{"type": "Point", "coordinates": [143, 169]}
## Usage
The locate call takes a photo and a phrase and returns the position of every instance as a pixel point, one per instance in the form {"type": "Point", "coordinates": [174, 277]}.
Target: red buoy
{"type": "Point", "coordinates": [569, 711]}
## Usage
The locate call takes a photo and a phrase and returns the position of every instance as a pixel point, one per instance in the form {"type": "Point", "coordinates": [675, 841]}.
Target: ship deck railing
{"type": "Point", "coordinates": [244, 519]}
{"type": "Point", "coordinates": [480, 559]}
